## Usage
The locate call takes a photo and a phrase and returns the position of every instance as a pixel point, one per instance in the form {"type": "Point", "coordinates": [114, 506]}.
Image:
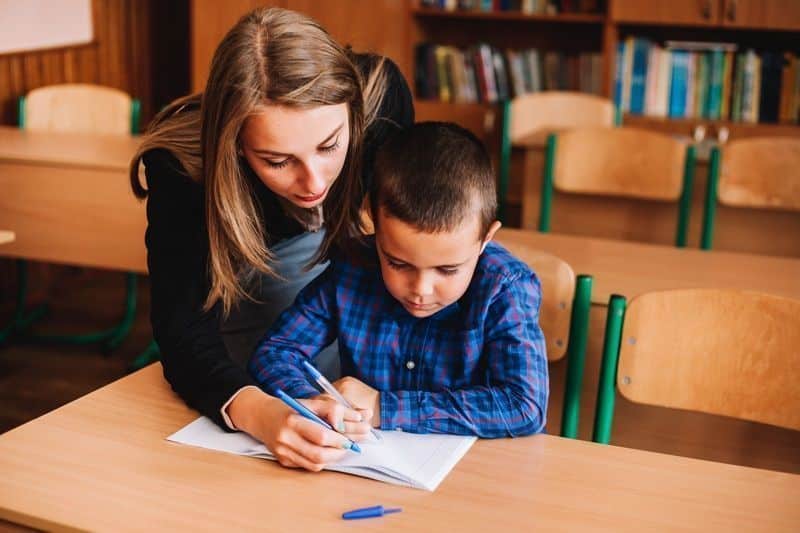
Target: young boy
{"type": "Point", "coordinates": [437, 326]}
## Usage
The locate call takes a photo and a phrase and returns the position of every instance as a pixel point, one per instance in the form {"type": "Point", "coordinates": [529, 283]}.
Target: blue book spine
{"type": "Point", "coordinates": [641, 51]}
{"type": "Point", "coordinates": [618, 74]}
{"type": "Point", "coordinates": [678, 88]}
{"type": "Point", "coordinates": [716, 77]}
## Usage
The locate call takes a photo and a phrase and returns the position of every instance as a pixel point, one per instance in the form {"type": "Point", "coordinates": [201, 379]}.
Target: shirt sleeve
{"type": "Point", "coordinates": [300, 333]}
{"type": "Point", "coordinates": [513, 400]}
{"type": "Point", "coordinates": [195, 360]}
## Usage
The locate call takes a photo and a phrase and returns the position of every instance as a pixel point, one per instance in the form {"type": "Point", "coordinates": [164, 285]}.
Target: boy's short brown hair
{"type": "Point", "coordinates": [432, 176]}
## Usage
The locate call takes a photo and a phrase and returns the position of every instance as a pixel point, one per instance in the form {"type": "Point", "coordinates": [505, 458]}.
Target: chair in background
{"type": "Point", "coordinates": [722, 352]}
{"type": "Point", "coordinates": [86, 109]}
{"type": "Point", "coordinates": [622, 162]}
{"type": "Point", "coordinates": [563, 317]}
{"type": "Point", "coordinates": [757, 172]}
{"type": "Point", "coordinates": [542, 113]}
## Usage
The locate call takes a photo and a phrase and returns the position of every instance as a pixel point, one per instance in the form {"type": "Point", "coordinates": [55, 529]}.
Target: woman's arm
{"type": "Point", "coordinates": [196, 362]}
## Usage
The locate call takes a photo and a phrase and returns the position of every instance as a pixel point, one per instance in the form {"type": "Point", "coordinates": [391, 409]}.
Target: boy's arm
{"type": "Point", "coordinates": [513, 400]}
{"type": "Point", "coordinates": [299, 333]}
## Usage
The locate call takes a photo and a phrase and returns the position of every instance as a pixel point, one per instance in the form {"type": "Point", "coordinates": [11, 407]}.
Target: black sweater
{"type": "Point", "coordinates": [196, 362]}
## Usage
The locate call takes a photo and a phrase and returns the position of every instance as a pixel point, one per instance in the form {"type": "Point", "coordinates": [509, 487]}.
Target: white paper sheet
{"type": "Point", "coordinates": [418, 461]}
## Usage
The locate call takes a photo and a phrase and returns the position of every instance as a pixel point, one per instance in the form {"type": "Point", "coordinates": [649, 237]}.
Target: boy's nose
{"type": "Point", "coordinates": [423, 285]}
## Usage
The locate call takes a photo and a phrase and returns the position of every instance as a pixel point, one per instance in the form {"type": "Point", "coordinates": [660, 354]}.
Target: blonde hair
{"type": "Point", "coordinates": [271, 56]}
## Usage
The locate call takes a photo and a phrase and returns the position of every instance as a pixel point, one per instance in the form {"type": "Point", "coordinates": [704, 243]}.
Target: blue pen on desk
{"type": "Point", "coordinates": [328, 387]}
{"type": "Point", "coordinates": [369, 512]}
{"type": "Point", "coordinates": [308, 413]}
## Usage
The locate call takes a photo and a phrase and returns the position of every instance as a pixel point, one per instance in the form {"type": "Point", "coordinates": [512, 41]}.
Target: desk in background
{"type": "Point", "coordinates": [631, 268]}
{"type": "Point", "coordinates": [68, 199]}
{"type": "Point", "coordinates": [101, 463]}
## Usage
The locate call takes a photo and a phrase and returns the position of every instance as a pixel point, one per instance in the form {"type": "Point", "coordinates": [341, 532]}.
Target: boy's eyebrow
{"type": "Point", "coordinates": [398, 260]}
{"type": "Point", "coordinates": [325, 141]}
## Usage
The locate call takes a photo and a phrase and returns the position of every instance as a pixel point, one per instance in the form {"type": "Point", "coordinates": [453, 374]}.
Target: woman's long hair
{"type": "Point", "coordinates": [270, 57]}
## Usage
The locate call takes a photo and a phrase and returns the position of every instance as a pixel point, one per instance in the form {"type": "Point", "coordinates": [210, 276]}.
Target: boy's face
{"type": "Point", "coordinates": [426, 272]}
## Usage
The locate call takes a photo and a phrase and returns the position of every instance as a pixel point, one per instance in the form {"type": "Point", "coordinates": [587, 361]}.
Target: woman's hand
{"type": "Point", "coordinates": [295, 441]}
{"type": "Point", "coordinates": [361, 396]}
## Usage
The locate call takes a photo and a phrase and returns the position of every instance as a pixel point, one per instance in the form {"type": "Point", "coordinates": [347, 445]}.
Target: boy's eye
{"type": "Point", "coordinates": [396, 266]}
{"type": "Point", "coordinates": [447, 271]}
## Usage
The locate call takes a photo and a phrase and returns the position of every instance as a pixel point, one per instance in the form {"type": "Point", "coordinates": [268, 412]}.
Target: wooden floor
{"type": "Point", "coordinates": [35, 379]}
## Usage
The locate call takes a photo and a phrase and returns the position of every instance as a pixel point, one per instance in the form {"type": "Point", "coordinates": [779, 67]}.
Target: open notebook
{"type": "Point", "coordinates": [418, 461]}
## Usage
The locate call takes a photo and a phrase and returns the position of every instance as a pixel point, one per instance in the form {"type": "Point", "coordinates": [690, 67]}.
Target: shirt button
{"type": "Point", "coordinates": [410, 365]}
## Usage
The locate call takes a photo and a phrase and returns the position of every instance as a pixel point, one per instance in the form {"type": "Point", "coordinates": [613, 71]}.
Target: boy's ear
{"type": "Point", "coordinates": [496, 225]}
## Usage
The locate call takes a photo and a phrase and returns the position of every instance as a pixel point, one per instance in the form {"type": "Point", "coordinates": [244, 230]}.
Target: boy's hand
{"type": "Point", "coordinates": [354, 423]}
{"type": "Point", "coordinates": [361, 396]}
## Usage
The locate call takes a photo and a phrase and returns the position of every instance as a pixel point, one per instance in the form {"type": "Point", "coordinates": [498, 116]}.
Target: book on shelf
{"type": "Point", "coordinates": [528, 7]}
{"type": "Point", "coordinates": [713, 81]}
{"type": "Point", "coordinates": [485, 74]}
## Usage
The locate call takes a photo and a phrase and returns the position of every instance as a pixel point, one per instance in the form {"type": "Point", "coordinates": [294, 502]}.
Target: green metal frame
{"type": "Point", "coordinates": [576, 355]}
{"type": "Point", "coordinates": [505, 162]}
{"type": "Point", "coordinates": [606, 388]}
{"type": "Point", "coordinates": [547, 183]}
{"type": "Point", "coordinates": [22, 320]}
{"type": "Point", "coordinates": [685, 202]}
{"type": "Point", "coordinates": [150, 354]}
{"type": "Point", "coordinates": [710, 211]}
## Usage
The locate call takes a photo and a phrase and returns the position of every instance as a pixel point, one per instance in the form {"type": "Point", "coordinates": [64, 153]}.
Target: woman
{"type": "Point", "coordinates": [247, 185]}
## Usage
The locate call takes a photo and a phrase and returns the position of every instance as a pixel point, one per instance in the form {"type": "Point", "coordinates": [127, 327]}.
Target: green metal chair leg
{"type": "Point", "coordinates": [150, 354]}
{"type": "Point", "coordinates": [710, 212]}
{"type": "Point", "coordinates": [547, 184]}
{"type": "Point", "coordinates": [606, 389]}
{"type": "Point", "coordinates": [22, 318]}
{"type": "Point", "coordinates": [112, 337]}
{"type": "Point", "coordinates": [505, 162]}
{"type": "Point", "coordinates": [685, 205]}
{"type": "Point", "coordinates": [576, 355]}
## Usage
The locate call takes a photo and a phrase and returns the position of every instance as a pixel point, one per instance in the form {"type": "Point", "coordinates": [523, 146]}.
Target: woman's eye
{"type": "Point", "coordinates": [277, 164]}
{"type": "Point", "coordinates": [330, 147]}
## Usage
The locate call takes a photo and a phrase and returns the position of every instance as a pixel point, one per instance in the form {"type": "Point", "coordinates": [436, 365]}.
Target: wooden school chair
{"type": "Point", "coordinates": [543, 113]}
{"type": "Point", "coordinates": [564, 319]}
{"type": "Point", "coordinates": [76, 108]}
{"type": "Point", "coordinates": [757, 172]}
{"type": "Point", "coordinates": [621, 162]}
{"type": "Point", "coordinates": [722, 352]}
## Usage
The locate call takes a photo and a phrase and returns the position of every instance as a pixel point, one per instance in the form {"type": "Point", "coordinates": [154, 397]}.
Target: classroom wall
{"type": "Point", "coordinates": [139, 46]}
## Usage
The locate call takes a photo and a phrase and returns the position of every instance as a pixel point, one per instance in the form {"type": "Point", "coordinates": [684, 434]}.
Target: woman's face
{"type": "Point", "coordinates": [297, 153]}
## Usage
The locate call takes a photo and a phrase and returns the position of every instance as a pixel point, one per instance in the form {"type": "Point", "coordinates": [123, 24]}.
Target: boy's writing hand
{"type": "Point", "coordinates": [361, 396]}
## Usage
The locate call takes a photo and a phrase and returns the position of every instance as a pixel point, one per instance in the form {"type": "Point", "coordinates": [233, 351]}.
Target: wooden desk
{"type": "Point", "coordinates": [101, 463]}
{"type": "Point", "coordinates": [759, 231]}
{"type": "Point", "coordinates": [631, 268]}
{"type": "Point", "coordinates": [6, 236]}
{"type": "Point", "coordinates": [68, 199]}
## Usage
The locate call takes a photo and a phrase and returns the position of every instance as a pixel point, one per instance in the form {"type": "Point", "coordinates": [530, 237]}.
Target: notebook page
{"type": "Point", "coordinates": [419, 461]}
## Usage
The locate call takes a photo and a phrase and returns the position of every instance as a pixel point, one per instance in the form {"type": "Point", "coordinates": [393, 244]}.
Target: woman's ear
{"type": "Point", "coordinates": [496, 225]}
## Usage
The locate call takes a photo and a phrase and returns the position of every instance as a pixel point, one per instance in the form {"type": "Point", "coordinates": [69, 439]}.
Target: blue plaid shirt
{"type": "Point", "coordinates": [477, 367]}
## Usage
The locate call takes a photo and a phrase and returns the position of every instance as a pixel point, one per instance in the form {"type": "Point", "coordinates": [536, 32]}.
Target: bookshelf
{"type": "Point", "coordinates": [760, 24]}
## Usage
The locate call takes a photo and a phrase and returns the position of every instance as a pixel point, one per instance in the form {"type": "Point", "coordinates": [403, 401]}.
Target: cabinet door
{"type": "Point", "coordinates": [690, 12]}
{"type": "Point", "coordinates": [764, 14]}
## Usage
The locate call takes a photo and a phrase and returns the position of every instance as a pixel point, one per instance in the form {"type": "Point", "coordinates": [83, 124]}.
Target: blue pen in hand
{"type": "Point", "coordinates": [307, 413]}
{"type": "Point", "coordinates": [328, 387]}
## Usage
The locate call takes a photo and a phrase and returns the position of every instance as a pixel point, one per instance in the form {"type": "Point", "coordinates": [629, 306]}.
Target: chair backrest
{"type": "Point", "coordinates": [761, 172]}
{"type": "Point", "coordinates": [724, 352]}
{"type": "Point", "coordinates": [620, 161]}
{"type": "Point", "coordinates": [477, 118]}
{"type": "Point", "coordinates": [79, 108]}
{"type": "Point", "coordinates": [551, 111]}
